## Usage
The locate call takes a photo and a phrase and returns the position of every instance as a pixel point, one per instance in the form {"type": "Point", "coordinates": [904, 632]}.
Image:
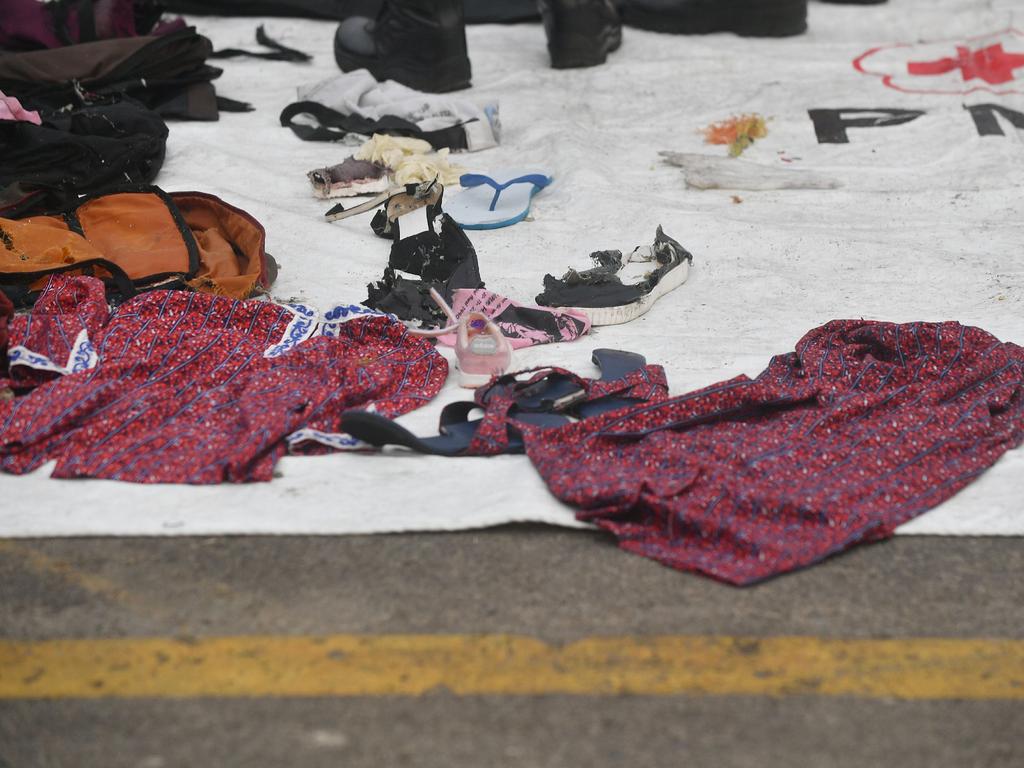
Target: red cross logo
{"type": "Point", "coordinates": [992, 64]}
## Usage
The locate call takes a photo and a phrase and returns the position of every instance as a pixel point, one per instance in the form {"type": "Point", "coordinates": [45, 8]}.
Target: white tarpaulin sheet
{"type": "Point", "coordinates": [925, 225]}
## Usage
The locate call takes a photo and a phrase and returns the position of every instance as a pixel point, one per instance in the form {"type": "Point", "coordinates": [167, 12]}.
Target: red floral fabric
{"type": "Point", "coordinates": [176, 387]}
{"type": "Point", "coordinates": [863, 427]}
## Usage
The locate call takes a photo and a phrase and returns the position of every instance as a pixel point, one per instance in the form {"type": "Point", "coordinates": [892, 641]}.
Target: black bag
{"type": "Point", "coordinates": [83, 151]}
{"type": "Point", "coordinates": [166, 73]}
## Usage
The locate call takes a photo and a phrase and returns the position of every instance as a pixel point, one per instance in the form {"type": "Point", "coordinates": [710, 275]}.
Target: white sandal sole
{"type": "Point", "coordinates": [624, 313]}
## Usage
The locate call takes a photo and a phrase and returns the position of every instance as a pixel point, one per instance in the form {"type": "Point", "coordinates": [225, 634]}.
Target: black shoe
{"type": "Point", "coordinates": [601, 292]}
{"type": "Point", "coordinates": [750, 18]}
{"type": "Point", "coordinates": [419, 43]}
{"type": "Point", "coordinates": [581, 33]}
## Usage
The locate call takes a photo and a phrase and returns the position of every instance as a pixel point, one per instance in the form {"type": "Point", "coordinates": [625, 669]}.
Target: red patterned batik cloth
{"type": "Point", "coordinates": [864, 427]}
{"type": "Point", "coordinates": [181, 387]}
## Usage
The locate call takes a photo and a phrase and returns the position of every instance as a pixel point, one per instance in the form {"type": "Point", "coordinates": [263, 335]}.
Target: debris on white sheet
{"type": "Point", "coordinates": [389, 150]}
{"type": "Point", "coordinates": [349, 179]}
{"type": "Point", "coordinates": [474, 124]}
{"type": "Point", "coordinates": [738, 132]}
{"type": "Point", "coordinates": [410, 161]}
{"type": "Point", "coordinates": [711, 172]}
{"type": "Point", "coordinates": [416, 169]}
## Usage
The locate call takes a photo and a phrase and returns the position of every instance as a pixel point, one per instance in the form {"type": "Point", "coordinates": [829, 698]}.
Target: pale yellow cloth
{"type": "Point", "coordinates": [410, 160]}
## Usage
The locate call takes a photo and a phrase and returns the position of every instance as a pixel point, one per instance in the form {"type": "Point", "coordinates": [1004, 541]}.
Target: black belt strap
{"type": "Point", "coordinates": [279, 53]}
{"type": "Point", "coordinates": [224, 104]}
{"type": "Point", "coordinates": [335, 126]}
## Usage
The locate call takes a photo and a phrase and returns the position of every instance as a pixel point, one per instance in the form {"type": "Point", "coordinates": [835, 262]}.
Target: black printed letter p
{"type": "Point", "coordinates": [830, 124]}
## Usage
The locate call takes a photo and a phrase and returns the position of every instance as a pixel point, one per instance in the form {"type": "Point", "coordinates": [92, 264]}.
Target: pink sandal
{"type": "Point", "coordinates": [482, 351]}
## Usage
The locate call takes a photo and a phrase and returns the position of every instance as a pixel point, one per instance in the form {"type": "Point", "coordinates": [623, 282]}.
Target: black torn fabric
{"type": "Point", "coordinates": [445, 261]}
{"type": "Point", "coordinates": [82, 151]}
{"type": "Point", "coordinates": [601, 286]}
{"type": "Point", "coordinates": [406, 299]}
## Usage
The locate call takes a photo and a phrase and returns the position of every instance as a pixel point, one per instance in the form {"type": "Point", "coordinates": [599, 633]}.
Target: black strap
{"type": "Point", "coordinates": [120, 278]}
{"type": "Point", "coordinates": [279, 53]}
{"type": "Point", "coordinates": [335, 126]}
{"type": "Point", "coordinates": [86, 22]}
{"type": "Point", "coordinates": [59, 19]}
{"type": "Point", "coordinates": [225, 104]}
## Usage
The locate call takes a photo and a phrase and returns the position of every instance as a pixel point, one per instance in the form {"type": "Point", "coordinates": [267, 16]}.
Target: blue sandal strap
{"type": "Point", "coordinates": [539, 180]}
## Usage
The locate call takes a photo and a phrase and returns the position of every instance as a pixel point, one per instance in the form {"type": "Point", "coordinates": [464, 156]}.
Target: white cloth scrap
{"type": "Point", "coordinates": [359, 93]}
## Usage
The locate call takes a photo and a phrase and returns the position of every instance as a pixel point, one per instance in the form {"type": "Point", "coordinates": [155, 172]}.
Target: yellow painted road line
{"type": "Point", "coordinates": [506, 665]}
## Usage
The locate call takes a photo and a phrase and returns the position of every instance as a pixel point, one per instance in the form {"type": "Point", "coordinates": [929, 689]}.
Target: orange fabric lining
{"type": "Point", "coordinates": [216, 226]}
{"type": "Point", "coordinates": [137, 232]}
{"type": "Point", "coordinates": [41, 242]}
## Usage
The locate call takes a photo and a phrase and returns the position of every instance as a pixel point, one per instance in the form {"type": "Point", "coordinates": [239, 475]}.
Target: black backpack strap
{"type": "Point", "coordinates": [59, 20]}
{"type": "Point", "coordinates": [118, 277]}
{"type": "Point", "coordinates": [225, 104]}
{"type": "Point", "coordinates": [335, 126]}
{"type": "Point", "coordinates": [86, 22]}
{"type": "Point", "coordinates": [279, 52]}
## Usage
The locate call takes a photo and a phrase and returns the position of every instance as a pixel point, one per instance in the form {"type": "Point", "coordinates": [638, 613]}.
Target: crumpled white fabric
{"type": "Point", "coordinates": [359, 93]}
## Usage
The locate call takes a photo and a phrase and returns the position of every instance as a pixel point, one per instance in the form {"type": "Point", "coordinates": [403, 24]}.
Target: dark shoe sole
{"type": "Point", "coordinates": [748, 18]}
{"type": "Point", "coordinates": [452, 74]}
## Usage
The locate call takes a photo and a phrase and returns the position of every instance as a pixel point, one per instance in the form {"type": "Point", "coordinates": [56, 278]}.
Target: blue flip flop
{"type": "Point", "coordinates": [491, 202]}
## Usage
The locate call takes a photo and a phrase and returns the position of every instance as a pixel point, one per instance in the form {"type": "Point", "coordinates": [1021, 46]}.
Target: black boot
{"type": "Point", "coordinates": [753, 18]}
{"type": "Point", "coordinates": [420, 43]}
{"type": "Point", "coordinates": [581, 33]}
